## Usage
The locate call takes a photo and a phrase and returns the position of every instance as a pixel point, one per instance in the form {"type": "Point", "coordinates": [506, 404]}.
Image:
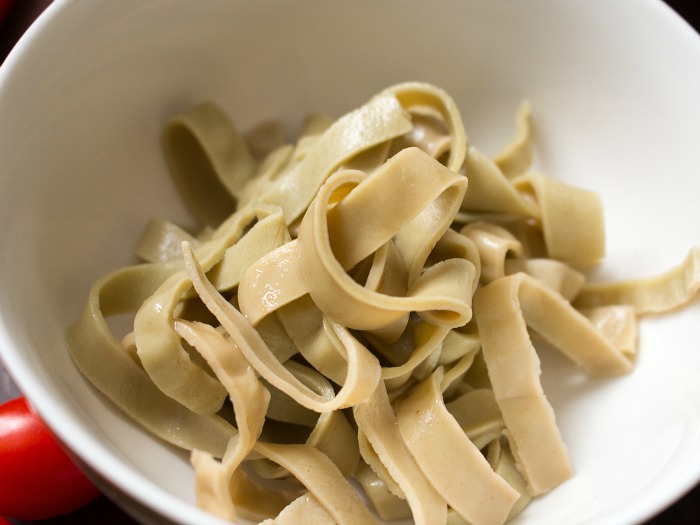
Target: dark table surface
{"type": "Point", "coordinates": [15, 17]}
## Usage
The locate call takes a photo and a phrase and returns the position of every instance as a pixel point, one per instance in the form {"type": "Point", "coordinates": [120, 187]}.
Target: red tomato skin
{"type": "Point", "coordinates": [37, 479]}
{"type": "Point", "coordinates": [4, 521]}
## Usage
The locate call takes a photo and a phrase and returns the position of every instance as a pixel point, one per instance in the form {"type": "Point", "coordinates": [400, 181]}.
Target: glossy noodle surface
{"type": "Point", "coordinates": [348, 338]}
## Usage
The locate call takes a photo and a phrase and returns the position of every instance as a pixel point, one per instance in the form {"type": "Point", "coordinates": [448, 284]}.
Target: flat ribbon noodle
{"type": "Point", "coordinates": [209, 160]}
{"type": "Point", "coordinates": [305, 509]}
{"type": "Point", "coordinates": [655, 294]}
{"type": "Point", "coordinates": [281, 162]}
{"type": "Point", "coordinates": [375, 463]}
{"type": "Point", "coordinates": [572, 219]}
{"type": "Point", "coordinates": [276, 164]}
{"type": "Point", "coordinates": [429, 133]}
{"type": "Point", "coordinates": [386, 275]}
{"type": "Point", "coordinates": [454, 372]}
{"type": "Point", "coordinates": [284, 409]}
{"type": "Point", "coordinates": [323, 479]}
{"type": "Point", "coordinates": [380, 119]}
{"type": "Point", "coordinates": [450, 461]}
{"type": "Point", "coordinates": [455, 245]}
{"type": "Point", "coordinates": [377, 421]}
{"type": "Point", "coordinates": [494, 244]}
{"type": "Point", "coordinates": [503, 310]}
{"type": "Point", "coordinates": [618, 324]}
{"type": "Point", "coordinates": [559, 276]}
{"type": "Point", "coordinates": [388, 506]}
{"type": "Point", "coordinates": [274, 280]}
{"type": "Point", "coordinates": [325, 278]}
{"type": "Point", "coordinates": [422, 339]}
{"type": "Point", "coordinates": [332, 434]}
{"type": "Point", "coordinates": [478, 415]}
{"type": "Point", "coordinates": [265, 236]}
{"type": "Point", "coordinates": [363, 367]}
{"type": "Point", "coordinates": [159, 346]}
{"type": "Point", "coordinates": [309, 330]}
{"type": "Point", "coordinates": [160, 241]}
{"type": "Point", "coordinates": [501, 458]}
{"type": "Point", "coordinates": [516, 156]}
{"type": "Point", "coordinates": [422, 94]}
{"type": "Point", "coordinates": [250, 400]}
{"type": "Point", "coordinates": [92, 346]}
{"type": "Point", "coordinates": [491, 191]}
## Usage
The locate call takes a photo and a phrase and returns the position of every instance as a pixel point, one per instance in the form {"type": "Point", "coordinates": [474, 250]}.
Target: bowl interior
{"type": "Point", "coordinates": [613, 87]}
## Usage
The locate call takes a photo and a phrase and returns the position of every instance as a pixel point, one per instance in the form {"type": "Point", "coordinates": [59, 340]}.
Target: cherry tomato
{"type": "Point", "coordinates": [37, 479]}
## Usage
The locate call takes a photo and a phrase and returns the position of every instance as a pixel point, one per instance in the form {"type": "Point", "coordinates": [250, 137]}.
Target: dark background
{"type": "Point", "coordinates": [16, 16]}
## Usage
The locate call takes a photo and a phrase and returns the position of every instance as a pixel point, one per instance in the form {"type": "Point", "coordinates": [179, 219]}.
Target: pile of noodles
{"type": "Point", "coordinates": [355, 316]}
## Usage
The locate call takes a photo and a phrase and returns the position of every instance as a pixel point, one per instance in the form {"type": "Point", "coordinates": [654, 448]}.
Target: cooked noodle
{"type": "Point", "coordinates": [358, 306]}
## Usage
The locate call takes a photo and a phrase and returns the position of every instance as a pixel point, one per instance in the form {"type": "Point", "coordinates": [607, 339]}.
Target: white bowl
{"type": "Point", "coordinates": [614, 87]}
